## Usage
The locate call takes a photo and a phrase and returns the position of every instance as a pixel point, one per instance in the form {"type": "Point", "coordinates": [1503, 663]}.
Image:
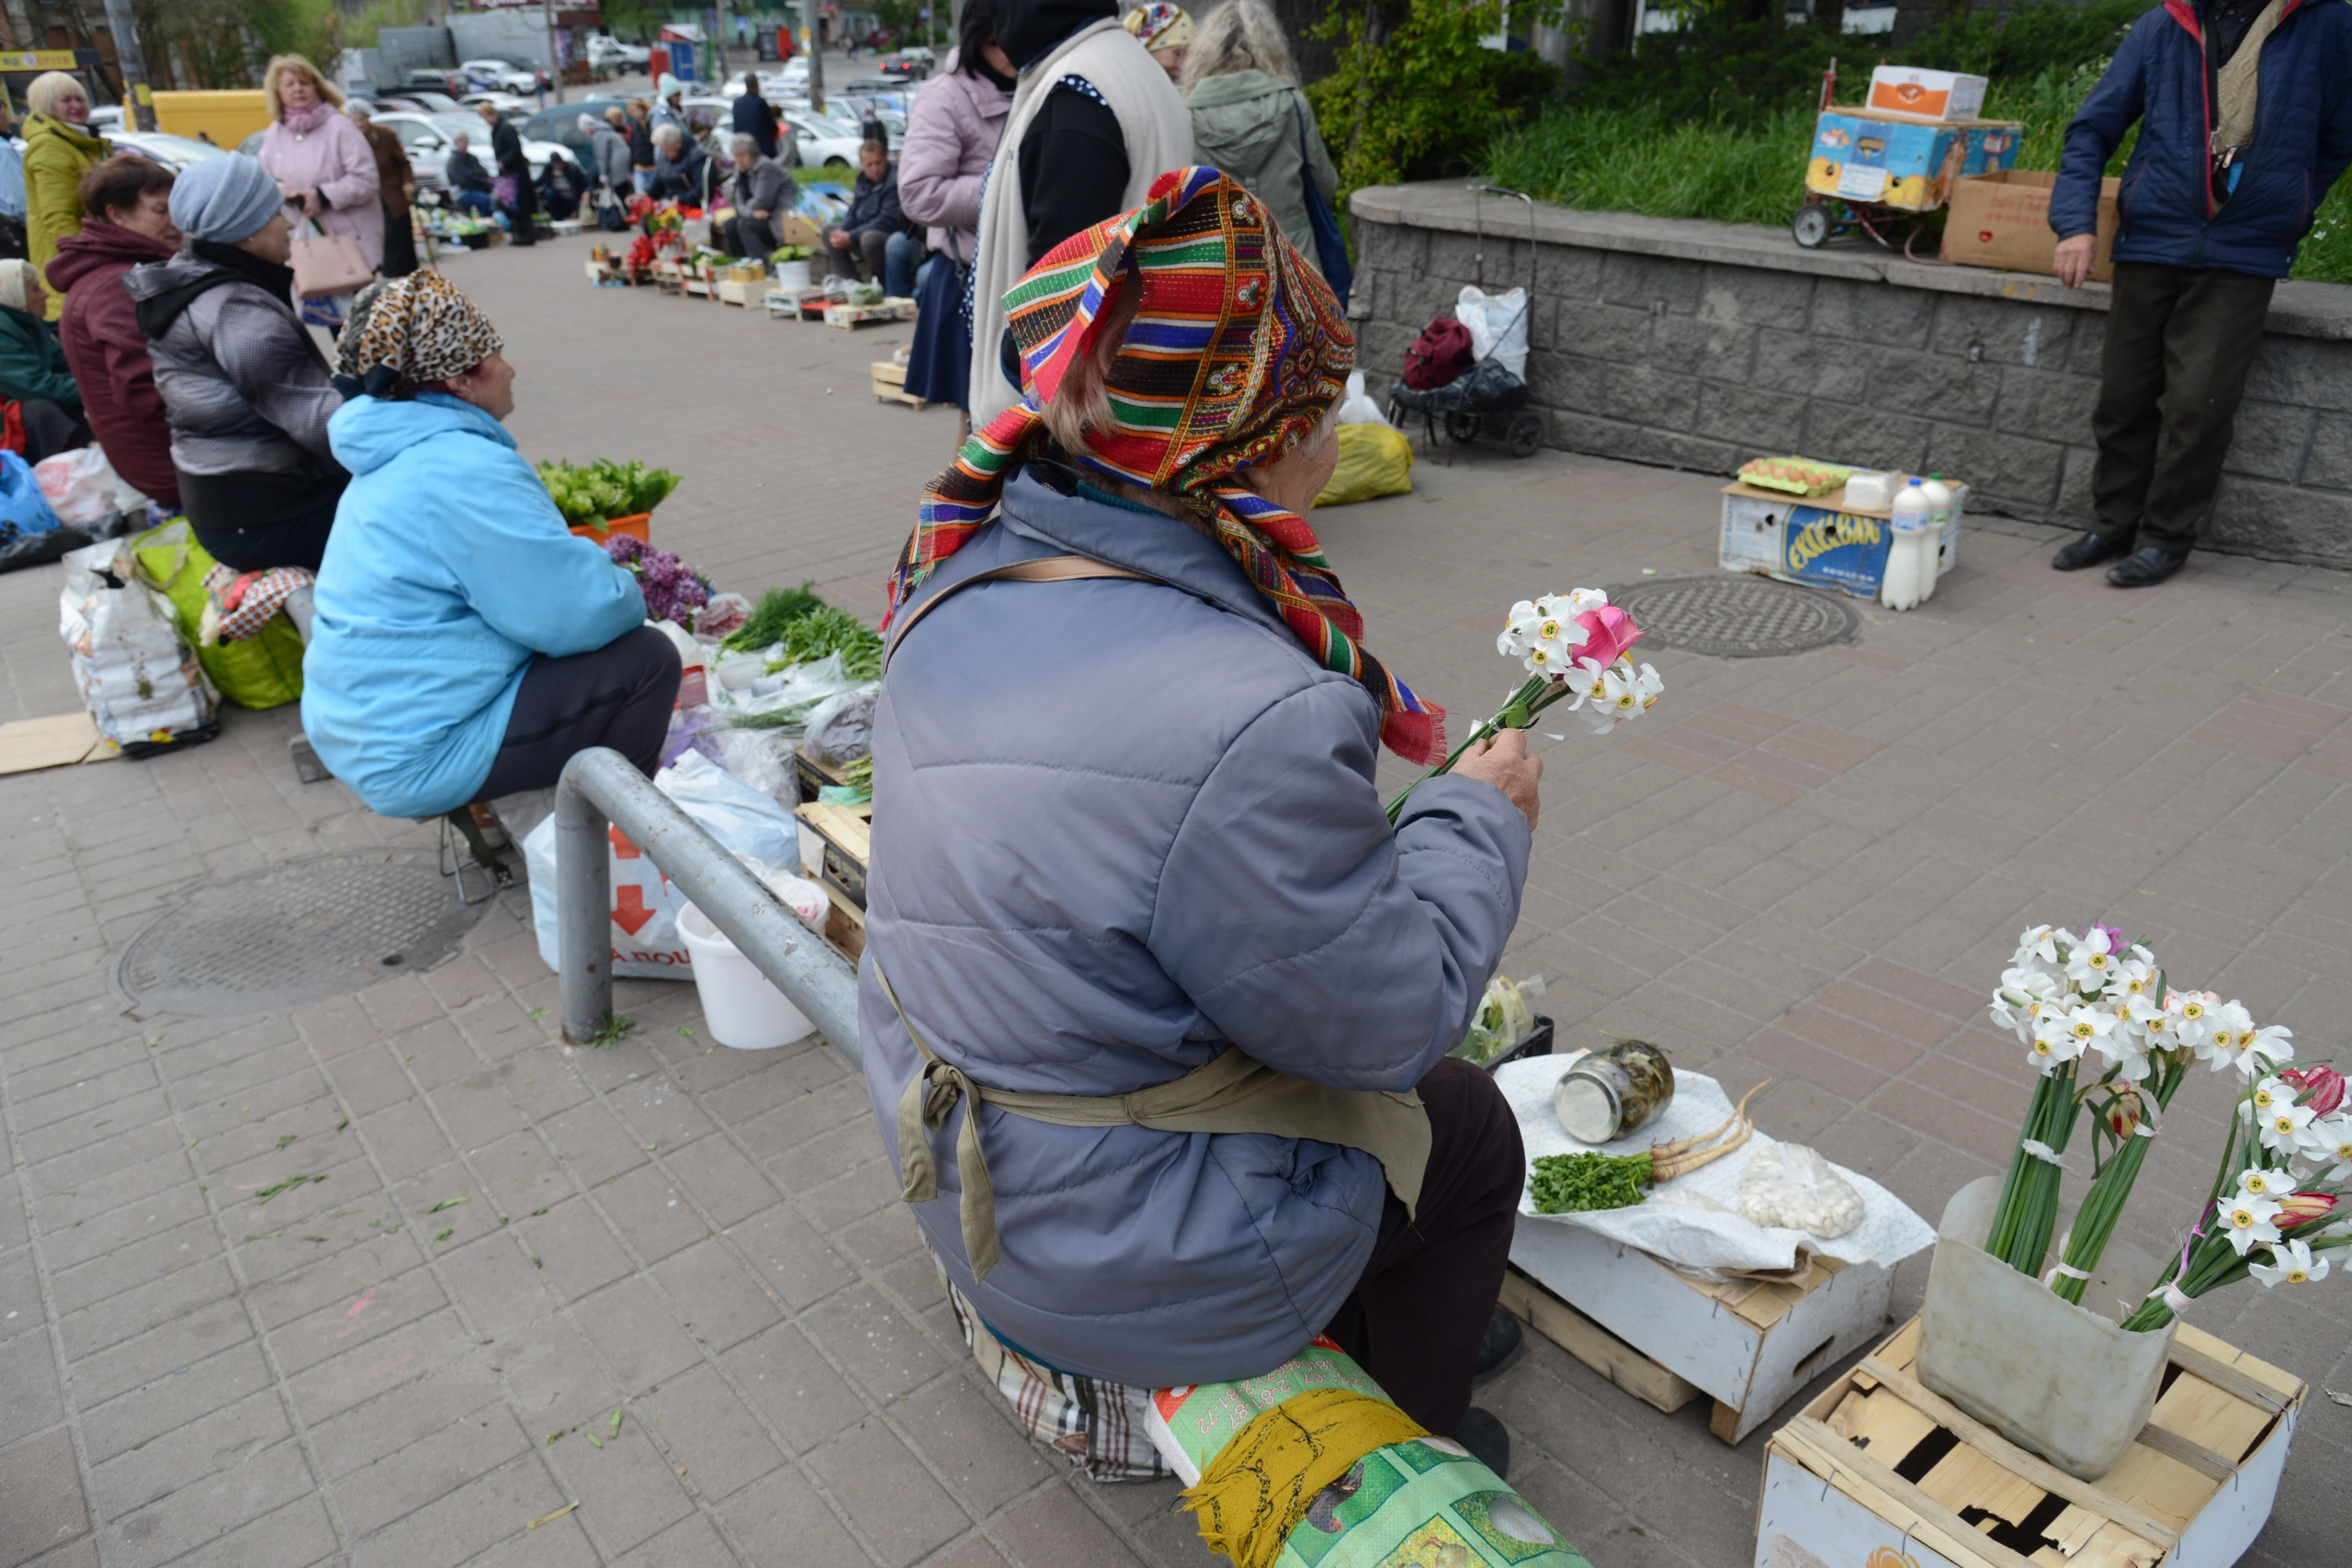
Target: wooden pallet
{"type": "Point", "coordinates": [1554, 1319]}
{"type": "Point", "coordinates": [848, 833]}
{"type": "Point", "coordinates": [849, 318]}
{"type": "Point", "coordinates": [1881, 1470]}
{"type": "Point", "coordinates": [890, 385]}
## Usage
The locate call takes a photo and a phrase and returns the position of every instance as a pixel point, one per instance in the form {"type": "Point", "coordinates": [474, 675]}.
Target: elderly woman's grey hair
{"type": "Point", "coordinates": [740, 145]}
{"type": "Point", "coordinates": [667, 136]}
{"type": "Point", "coordinates": [589, 124]}
{"type": "Point", "coordinates": [1240, 35]}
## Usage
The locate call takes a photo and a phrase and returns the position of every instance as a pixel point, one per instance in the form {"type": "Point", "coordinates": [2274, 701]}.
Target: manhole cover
{"type": "Point", "coordinates": [295, 934]}
{"type": "Point", "coordinates": [1736, 617]}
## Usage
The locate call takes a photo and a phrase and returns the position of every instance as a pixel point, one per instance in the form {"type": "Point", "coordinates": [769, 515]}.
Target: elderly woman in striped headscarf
{"type": "Point", "coordinates": [466, 643]}
{"type": "Point", "coordinates": [1157, 1005]}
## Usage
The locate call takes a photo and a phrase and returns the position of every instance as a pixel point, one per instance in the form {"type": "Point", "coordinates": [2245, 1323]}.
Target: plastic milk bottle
{"type": "Point", "coordinates": [1900, 588]}
{"type": "Point", "coordinates": [1939, 520]}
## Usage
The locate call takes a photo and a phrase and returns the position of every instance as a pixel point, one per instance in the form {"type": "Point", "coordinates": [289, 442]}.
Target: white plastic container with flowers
{"type": "Point", "coordinates": [2004, 1335]}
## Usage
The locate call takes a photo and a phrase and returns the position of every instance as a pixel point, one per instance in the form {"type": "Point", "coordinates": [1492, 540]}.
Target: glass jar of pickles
{"type": "Point", "coordinates": [1612, 1091]}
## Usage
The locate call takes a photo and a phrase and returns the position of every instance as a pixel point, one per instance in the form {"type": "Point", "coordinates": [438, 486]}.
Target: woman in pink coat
{"type": "Point", "coordinates": [951, 138]}
{"type": "Point", "coordinates": [320, 160]}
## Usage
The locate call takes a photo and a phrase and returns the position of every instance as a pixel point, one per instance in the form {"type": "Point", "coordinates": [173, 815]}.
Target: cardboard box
{"type": "Point", "coordinates": [1910, 165]}
{"type": "Point", "coordinates": [1930, 94]}
{"type": "Point", "coordinates": [795, 230]}
{"type": "Point", "coordinates": [1819, 540]}
{"type": "Point", "coordinates": [2003, 220]}
{"type": "Point", "coordinates": [1881, 1470]}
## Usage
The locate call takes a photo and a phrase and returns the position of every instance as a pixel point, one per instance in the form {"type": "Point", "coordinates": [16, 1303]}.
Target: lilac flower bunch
{"type": "Point", "coordinates": [674, 590]}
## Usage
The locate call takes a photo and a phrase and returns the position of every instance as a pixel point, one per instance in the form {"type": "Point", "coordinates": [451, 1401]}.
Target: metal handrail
{"type": "Point", "coordinates": [601, 789]}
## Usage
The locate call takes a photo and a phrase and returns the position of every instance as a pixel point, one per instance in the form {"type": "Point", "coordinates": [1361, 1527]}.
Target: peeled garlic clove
{"type": "Point", "coordinates": [1791, 1186]}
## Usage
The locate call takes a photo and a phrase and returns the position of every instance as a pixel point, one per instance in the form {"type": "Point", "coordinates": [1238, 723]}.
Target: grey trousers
{"type": "Point", "coordinates": [862, 261]}
{"type": "Point", "coordinates": [2180, 342]}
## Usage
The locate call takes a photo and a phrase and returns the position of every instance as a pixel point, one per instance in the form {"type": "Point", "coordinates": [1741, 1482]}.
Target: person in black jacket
{"type": "Point", "coordinates": [754, 118]}
{"type": "Point", "coordinates": [872, 240]}
{"type": "Point", "coordinates": [469, 181]}
{"type": "Point", "coordinates": [639, 130]}
{"type": "Point", "coordinates": [506, 151]}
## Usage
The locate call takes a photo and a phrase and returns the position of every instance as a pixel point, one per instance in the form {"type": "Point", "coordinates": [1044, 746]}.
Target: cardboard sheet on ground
{"type": "Point", "coordinates": [62, 740]}
{"type": "Point", "coordinates": [1688, 1235]}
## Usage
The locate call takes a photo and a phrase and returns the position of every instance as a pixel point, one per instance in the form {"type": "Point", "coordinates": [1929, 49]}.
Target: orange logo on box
{"type": "Point", "coordinates": [1887, 1556]}
{"type": "Point", "coordinates": [1909, 93]}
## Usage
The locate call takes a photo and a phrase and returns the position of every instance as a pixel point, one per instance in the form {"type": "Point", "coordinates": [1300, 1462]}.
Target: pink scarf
{"type": "Point", "coordinates": [301, 122]}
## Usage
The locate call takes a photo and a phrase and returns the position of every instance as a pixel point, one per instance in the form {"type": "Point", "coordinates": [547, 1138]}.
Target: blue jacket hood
{"type": "Point", "coordinates": [367, 433]}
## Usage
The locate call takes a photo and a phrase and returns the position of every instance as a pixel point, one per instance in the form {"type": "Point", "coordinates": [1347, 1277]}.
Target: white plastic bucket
{"type": "Point", "coordinates": [791, 277]}
{"type": "Point", "coordinates": [741, 1006]}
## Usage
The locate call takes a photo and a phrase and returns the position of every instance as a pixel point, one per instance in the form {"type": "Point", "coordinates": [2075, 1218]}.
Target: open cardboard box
{"type": "Point", "coordinates": [2003, 220]}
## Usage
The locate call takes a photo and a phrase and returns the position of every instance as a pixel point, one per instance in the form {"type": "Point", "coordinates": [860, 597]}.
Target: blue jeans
{"type": "Point", "coordinates": [899, 267]}
{"type": "Point", "coordinates": [477, 202]}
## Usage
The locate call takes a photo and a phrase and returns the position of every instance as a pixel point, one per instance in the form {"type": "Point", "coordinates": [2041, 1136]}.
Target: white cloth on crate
{"type": "Point", "coordinates": [1686, 1234]}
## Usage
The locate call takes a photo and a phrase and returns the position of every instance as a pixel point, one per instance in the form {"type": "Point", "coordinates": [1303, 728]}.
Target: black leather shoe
{"type": "Point", "coordinates": [1503, 1336]}
{"type": "Point", "coordinates": [2088, 550]}
{"type": "Point", "coordinates": [1487, 1439]}
{"type": "Point", "coordinates": [2146, 567]}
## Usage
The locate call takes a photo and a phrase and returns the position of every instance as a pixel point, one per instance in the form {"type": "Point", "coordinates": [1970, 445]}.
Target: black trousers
{"type": "Point", "coordinates": [1419, 1314]}
{"type": "Point", "coordinates": [2180, 342]}
{"type": "Point", "coordinates": [50, 428]}
{"type": "Point", "coordinates": [744, 235]}
{"type": "Point", "coordinates": [619, 696]}
{"type": "Point", "coordinates": [299, 541]}
{"type": "Point", "coordinates": [525, 210]}
{"type": "Point", "coordinates": [399, 245]}
{"type": "Point", "coordinates": [864, 260]}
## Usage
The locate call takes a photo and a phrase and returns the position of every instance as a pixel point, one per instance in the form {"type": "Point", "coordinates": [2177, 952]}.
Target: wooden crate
{"type": "Point", "coordinates": [1594, 1346]}
{"type": "Point", "coordinates": [845, 925]}
{"type": "Point", "coordinates": [737, 291]}
{"type": "Point", "coordinates": [1880, 1471]}
{"type": "Point", "coordinates": [1749, 1345]}
{"type": "Point", "coordinates": [890, 385]}
{"type": "Point", "coordinates": [849, 318]}
{"type": "Point", "coordinates": [848, 833]}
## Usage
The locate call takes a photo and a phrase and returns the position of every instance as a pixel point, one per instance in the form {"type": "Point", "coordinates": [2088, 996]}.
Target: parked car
{"type": "Point", "coordinates": [423, 102]}
{"type": "Point", "coordinates": [823, 143]}
{"type": "Point", "coordinates": [905, 64]}
{"type": "Point", "coordinates": [855, 108]}
{"type": "Point", "coordinates": [105, 116]}
{"type": "Point", "coordinates": [178, 154]}
{"type": "Point", "coordinates": [447, 83]}
{"type": "Point", "coordinates": [427, 140]}
{"type": "Point", "coordinates": [508, 106]}
{"type": "Point", "coordinates": [606, 52]}
{"type": "Point", "coordinates": [501, 74]}
{"type": "Point", "coordinates": [560, 123]}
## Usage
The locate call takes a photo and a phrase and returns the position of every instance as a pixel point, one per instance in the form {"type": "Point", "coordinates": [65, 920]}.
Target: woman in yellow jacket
{"type": "Point", "coordinates": [59, 145]}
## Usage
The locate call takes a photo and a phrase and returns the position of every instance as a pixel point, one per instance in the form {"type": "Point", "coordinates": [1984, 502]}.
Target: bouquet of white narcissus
{"type": "Point", "coordinates": [2066, 996]}
{"type": "Point", "coordinates": [1573, 646]}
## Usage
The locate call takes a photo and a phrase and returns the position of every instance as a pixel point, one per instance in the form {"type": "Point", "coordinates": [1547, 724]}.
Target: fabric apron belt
{"type": "Point", "coordinates": [1235, 1093]}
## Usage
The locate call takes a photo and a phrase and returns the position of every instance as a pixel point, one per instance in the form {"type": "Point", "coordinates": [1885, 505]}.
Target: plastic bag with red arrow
{"type": "Point", "coordinates": [645, 945]}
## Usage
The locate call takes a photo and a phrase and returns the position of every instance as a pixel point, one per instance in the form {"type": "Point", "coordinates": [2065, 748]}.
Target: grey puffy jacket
{"type": "Point", "coordinates": [242, 381]}
{"type": "Point", "coordinates": [1119, 826]}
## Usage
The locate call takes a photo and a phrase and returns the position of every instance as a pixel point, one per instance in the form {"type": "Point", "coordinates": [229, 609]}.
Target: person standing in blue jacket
{"type": "Point", "coordinates": [2244, 109]}
{"type": "Point", "coordinates": [465, 644]}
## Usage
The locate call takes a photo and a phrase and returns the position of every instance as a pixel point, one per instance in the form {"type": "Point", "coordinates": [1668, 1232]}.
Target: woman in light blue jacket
{"type": "Point", "coordinates": [466, 643]}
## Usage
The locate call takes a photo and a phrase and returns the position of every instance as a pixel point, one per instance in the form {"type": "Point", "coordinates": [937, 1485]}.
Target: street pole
{"type": "Point", "coordinates": [816, 56]}
{"type": "Point", "coordinates": [555, 61]}
{"type": "Point", "coordinates": [128, 58]}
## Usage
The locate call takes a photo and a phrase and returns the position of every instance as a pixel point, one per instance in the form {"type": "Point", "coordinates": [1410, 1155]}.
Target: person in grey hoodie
{"type": "Point", "coordinates": [1135, 840]}
{"type": "Point", "coordinates": [1248, 114]}
{"type": "Point", "coordinates": [244, 384]}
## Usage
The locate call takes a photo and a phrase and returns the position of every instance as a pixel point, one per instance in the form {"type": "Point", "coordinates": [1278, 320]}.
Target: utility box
{"type": "Point", "coordinates": [224, 117]}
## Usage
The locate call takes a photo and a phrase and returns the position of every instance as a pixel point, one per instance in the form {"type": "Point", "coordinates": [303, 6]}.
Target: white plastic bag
{"type": "Point", "coordinates": [1791, 1186]}
{"type": "Point", "coordinates": [644, 929]}
{"type": "Point", "coordinates": [140, 681]}
{"type": "Point", "coordinates": [1356, 408]}
{"type": "Point", "coordinates": [1498, 324]}
{"type": "Point", "coordinates": [82, 486]}
{"type": "Point", "coordinates": [840, 731]}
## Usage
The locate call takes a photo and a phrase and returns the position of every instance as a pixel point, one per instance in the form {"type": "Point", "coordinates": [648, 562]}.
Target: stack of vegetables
{"type": "Point", "coordinates": [806, 649]}
{"type": "Point", "coordinates": [593, 496]}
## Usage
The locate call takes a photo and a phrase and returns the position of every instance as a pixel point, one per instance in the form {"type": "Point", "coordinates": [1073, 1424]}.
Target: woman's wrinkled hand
{"type": "Point", "coordinates": [1502, 761]}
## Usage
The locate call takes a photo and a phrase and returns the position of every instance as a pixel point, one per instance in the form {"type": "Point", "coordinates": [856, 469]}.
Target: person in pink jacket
{"type": "Point", "coordinates": [320, 160]}
{"type": "Point", "coordinates": [951, 138]}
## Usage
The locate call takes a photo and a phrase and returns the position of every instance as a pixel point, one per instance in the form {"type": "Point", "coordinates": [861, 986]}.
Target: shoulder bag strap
{"type": "Point", "coordinates": [1046, 568]}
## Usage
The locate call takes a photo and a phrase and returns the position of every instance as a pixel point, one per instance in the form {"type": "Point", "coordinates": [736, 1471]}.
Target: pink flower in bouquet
{"type": "Point", "coordinates": [2324, 1084]}
{"type": "Point", "coordinates": [2304, 1208]}
{"type": "Point", "coordinates": [1609, 631]}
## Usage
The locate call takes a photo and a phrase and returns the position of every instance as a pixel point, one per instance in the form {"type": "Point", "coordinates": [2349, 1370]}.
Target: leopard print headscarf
{"type": "Point", "coordinates": [412, 329]}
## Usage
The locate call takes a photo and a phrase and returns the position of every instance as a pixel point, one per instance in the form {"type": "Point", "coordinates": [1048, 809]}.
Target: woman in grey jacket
{"type": "Point", "coordinates": [244, 384]}
{"type": "Point", "coordinates": [1250, 119]}
{"type": "Point", "coordinates": [1124, 749]}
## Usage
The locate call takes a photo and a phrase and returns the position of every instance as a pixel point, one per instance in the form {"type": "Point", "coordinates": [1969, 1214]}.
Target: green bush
{"type": "Point", "coordinates": [1424, 99]}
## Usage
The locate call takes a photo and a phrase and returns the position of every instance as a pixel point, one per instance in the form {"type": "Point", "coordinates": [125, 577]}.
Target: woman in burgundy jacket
{"type": "Point", "coordinates": [127, 199]}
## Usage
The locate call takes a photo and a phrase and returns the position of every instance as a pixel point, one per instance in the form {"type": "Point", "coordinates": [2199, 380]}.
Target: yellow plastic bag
{"type": "Point", "coordinates": [1375, 460]}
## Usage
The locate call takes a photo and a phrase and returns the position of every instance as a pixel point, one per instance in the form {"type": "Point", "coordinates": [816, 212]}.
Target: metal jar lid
{"type": "Point", "coordinates": [1588, 1104]}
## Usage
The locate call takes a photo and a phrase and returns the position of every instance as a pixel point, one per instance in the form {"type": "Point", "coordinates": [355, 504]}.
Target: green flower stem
{"type": "Point", "coordinates": [2103, 1206]}
{"type": "Point", "coordinates": [2028, 1207]}
{"type": "Point", "coordinates": [1538, 692]}
{"type": "Point", "coordinates": [2213, 1265]}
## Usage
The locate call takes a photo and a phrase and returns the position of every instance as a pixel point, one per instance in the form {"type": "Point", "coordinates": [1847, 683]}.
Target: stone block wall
{"type": "Point", "coordinates": [1744, 345]}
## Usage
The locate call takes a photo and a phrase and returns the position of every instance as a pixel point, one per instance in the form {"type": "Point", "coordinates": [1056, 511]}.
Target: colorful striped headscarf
{"type": "Point", "coordinates": [1160, 25]}
{"type": "Point", "coordinates": [1236, 352]}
